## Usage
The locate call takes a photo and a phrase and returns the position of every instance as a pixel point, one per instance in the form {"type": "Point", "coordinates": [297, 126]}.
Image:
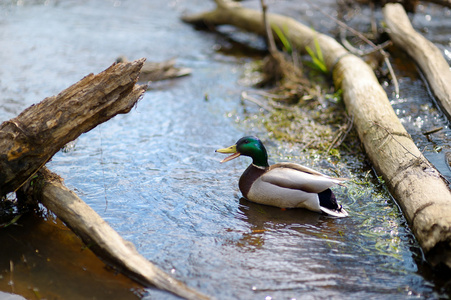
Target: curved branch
{"type": "Point", "coordinates": [428, 57]}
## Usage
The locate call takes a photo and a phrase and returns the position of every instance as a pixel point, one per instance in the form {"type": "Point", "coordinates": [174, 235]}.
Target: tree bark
{"type": "Point", "coordinates": [427, 56]}
{"type": "Point", "coordinates": [103, 240]}
{"type": "Point", "coordinates": [28, 141]}
{"type": "Point", "coordinates": [416, 185]}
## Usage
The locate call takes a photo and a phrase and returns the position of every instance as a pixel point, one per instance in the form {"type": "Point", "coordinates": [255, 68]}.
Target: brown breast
{"type": "Point", "coordinates": [249, 176]}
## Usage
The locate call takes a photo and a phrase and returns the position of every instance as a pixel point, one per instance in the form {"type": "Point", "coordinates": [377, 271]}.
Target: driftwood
{"type": "Point", "coordinates": [103, 240]}
{"type": "Point", "coordinates": [446, 3]}
{"type": "Point", "coordinates": [414, 182]}
{"type": "Point", "coordinates": [427, 56]}
{"type": "Point", "coordinates": [155, 71]}
{"type": "Point", "coordinates": [28, 141]}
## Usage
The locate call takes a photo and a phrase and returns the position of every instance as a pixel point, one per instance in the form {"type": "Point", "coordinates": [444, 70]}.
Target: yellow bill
{"type": "Point", "coordinates": [231, 149]}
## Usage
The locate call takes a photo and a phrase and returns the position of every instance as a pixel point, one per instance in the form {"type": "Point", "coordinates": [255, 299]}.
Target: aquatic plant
{"type": "Point", "coordinates": [317, 57]}
{"type": "Point", "coordinates": [283, 39]}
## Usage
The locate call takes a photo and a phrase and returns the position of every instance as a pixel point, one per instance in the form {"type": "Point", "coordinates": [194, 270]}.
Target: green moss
{"type": "Point", "coordinates": [312, 120]}
{"type": "Point", "coordinates": [311, 125]}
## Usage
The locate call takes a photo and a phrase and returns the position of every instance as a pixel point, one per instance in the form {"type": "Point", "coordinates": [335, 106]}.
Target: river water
{"type": "Point", "coordinates": [154, 176]}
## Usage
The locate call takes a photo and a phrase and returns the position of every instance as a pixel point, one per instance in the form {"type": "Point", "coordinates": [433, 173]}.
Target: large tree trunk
{"type": "Point", "coordinates": [28, 141]}
{"type": "Point", "coordinates": [428, 57]}
{"type": "Point", "coordinates": [416, 185]}
{"type": "Point", "coordinates": [103, 240]}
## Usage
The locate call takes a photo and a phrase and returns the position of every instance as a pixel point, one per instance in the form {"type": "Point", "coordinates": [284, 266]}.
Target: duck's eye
{"type": "Point", "coordinates": [246, 141]}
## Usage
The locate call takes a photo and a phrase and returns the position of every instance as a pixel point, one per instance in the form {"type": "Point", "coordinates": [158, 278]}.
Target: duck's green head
{"type": "Point", "coordinates": [247, 146]}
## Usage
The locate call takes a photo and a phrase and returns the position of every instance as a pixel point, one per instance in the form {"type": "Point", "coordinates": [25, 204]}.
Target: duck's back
{"type": "Point", "coordinates": [255, 188]}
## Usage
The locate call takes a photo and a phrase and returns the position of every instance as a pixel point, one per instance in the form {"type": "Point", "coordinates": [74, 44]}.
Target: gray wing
{"type": "Point", "coordinates": [295, 178]}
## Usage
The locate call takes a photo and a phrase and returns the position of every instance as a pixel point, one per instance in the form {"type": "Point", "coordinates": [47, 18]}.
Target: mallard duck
{"type": "Point", "coordinates": [285, 185]}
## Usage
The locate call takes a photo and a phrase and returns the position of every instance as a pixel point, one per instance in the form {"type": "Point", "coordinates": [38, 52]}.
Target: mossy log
{"type": "Point", "coordinates": [427, 56]}
{"type": "Point", "coordinates": [28, 141]}
{"type": "Point", "coordinates": [104, 241]}
{"type": "Point", "coordinates": [416, 185]}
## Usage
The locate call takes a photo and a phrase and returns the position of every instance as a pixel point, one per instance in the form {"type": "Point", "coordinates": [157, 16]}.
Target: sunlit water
{"type": "Point", "coordinates": [154, 176]}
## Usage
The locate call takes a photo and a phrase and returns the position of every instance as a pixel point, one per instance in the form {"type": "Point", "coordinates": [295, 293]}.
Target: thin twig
{"type": "Point", "coordinates": [342, 134]}
{"type": "Point", "coordinates": [269, 95]}
{"type": "Point", "coordinates": [348, 130]}
{"type": "Point", "coordinates": [270, 105]}
{"type": "Point", "coordinates": [245, 96]}
{"type": "Point", "coordinates": [269, 36]}
{"type": "Point", "coordinates": [359, 52]}
{"type": "Point", "coordinates": [392, 73]}
{"type": "Point", "coordinates": [434, 130]}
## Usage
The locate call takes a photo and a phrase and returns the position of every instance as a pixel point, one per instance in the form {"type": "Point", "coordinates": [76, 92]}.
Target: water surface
{"type": "Point", "coordinates": [154, 176]}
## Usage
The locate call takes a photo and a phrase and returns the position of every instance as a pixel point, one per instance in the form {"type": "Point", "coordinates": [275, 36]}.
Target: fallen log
{"type": "Point", "coordinates": [28, 141]}
{"type": "Point", "coordinates": [155, 71]}
{"type": "Point", "coordinates": [446, 3]}
{"type": "Point", "coordinates": [427, 56]}
{"type": "Point", "coordinates": [416, 185]}
{"type": "Point", "coordinates": [48, 189]}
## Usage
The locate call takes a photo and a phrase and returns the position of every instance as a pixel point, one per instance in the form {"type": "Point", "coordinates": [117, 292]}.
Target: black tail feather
{"type": "Point", "coordinates": [327, 199]}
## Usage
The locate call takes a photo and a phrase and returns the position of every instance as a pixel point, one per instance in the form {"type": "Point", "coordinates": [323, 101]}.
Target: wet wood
{"type": "Point", "coordinates": [427, 56]}
{"type": "Point", "coordinates": [99, 237]}
{"type": "Point", "coordinates": [28, 141]}
{"type": "Point", "coordinates": [155, 71]}
{"type": "Point", "coordinates": [413, 181]}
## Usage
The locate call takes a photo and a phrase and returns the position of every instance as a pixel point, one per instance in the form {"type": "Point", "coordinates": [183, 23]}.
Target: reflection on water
{"type": "Point", "coordinates": [154, 176]}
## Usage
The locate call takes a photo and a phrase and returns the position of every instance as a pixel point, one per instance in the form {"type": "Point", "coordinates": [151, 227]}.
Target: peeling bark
{"type": "Point", "coordinates": [28, 141]}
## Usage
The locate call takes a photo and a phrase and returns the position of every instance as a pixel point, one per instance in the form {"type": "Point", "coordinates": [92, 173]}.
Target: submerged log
{"type": "Point", "coordinates": [416, 185]}
{"type": "Point", "coordinates": [100, 238]}
{"type": "Point", "coordinates": [28, 141]}
{"type": "Point", "coordinates": [427, 56]}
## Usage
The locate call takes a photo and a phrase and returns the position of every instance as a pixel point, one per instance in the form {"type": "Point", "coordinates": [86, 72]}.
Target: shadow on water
{"type": "Point", "coordinates": [42, 258]}
{"type": "Point", "coordinates": [263, 219]}
{"type": "Point", "coordinates": [154, 177]}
